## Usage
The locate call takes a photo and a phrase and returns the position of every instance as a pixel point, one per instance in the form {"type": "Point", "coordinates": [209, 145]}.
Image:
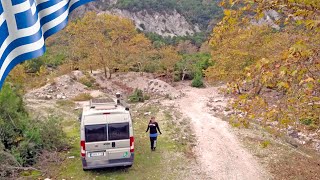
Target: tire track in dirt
{"type": "Point", "coordinates": [218, 151]}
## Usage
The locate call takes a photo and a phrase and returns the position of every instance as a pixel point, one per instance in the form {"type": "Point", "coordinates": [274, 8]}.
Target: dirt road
{"type": "Point", "coordinates": [218, 151]}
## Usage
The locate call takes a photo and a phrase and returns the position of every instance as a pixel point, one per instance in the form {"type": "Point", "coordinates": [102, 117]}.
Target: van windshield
{"type": "Point", "coordinates": [118, 131]}
{"type": "Point", "coordinates": [96, 133]}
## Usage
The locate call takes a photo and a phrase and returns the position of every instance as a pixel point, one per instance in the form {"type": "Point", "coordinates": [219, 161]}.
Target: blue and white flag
{"type": "Point", "coordinates": [24, 26]}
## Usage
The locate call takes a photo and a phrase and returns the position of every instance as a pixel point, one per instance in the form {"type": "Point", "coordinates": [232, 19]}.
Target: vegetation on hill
{"type": "Point", "coordinates": [197, 39]}
{"type": "Point", "coordinates": [275, 72]}
{"type": "Point", "coordinates": [113, 44]}
{"type": "Point", "coordinates": [199, 12]}
{"type": "Point", "coordinates": [23, 139]}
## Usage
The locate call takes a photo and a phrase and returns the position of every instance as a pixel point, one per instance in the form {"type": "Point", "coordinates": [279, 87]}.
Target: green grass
{"type": "Point", "coordinates": [167, 162]}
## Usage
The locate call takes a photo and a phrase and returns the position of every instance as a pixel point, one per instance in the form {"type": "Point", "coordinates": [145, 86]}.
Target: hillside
{"type": "Point", "coordinates": [194, 134]}
{"type": "Point", "coordinates": [166, 18]}
{"type": "Point", "coordinates": [242, 103]}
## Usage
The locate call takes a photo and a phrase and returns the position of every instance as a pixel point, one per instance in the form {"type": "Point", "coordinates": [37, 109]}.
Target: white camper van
{"type": "Point", "coordinates": [106, 135]}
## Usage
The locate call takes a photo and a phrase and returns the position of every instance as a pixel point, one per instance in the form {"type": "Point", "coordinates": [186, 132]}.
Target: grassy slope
{"type": "Point", "coordinates": [168, 162]}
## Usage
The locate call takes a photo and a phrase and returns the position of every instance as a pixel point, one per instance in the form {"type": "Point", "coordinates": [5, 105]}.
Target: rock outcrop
{"type": "Point", "coordinates": [164, 23]}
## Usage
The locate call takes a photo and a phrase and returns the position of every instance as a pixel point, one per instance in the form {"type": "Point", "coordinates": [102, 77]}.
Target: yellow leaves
{"type": "Point", "coordinates": [260, 15]}
{"type": "Point", "coordinates": [283, 71]}
{"type": "Point", "coordinates": [282, 65]}
{"type": "Point", "coordinates": [243, 96]}
{"type": "Point", "coordinates": [105, 41]}
{"type": "Point", "coordinates": [267, 77]}
{"type": "Point", "coordinates": [312, 23]}
{"type": "Point", "coordinates": [18, 75]}
{"type": "Point", "coordinates": [299, 49]}
{"type": "Point", "coordinates": [227, 12]}
{"type": "Point", "coordinates": [222, 3]}
{"type": "Point", "coordinates": [309, 79]}
{"type": "Point", "coordinates": [283, 85]}
{"type": "Point", "coordinates": [294, 73]}
{"type": "Point", "coordinates": [264, 61]}
{"type": "Point", "coordinates": [18, 139]}
{"type": "Point", "coordinates": [169, 57]}
{"type": "Point", "coordinates": [42, 72]}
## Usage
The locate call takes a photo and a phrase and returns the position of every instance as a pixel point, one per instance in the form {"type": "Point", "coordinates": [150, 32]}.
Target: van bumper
{"type": "Point", "coordinates": [87, 165]}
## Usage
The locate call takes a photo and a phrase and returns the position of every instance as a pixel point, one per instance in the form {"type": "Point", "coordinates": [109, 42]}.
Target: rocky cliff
{"type": "Point", "coordinates": [165, 23]}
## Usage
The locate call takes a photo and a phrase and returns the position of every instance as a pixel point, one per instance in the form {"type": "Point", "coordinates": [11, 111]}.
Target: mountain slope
{"type": "Point", "coordinates": [166, 18]}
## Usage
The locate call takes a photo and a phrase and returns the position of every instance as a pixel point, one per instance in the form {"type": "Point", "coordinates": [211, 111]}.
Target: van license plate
{"type": "Point", "coordinates": [95, 154]}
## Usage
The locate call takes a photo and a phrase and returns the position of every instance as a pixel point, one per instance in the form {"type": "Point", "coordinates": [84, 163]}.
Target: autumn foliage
{"type": "Point", "coordinates": [275, 72]}
{"type": "Point", "coordinates": [110, 42]}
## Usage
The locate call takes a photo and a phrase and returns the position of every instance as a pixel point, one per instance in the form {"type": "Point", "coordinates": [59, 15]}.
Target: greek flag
{"type": "Point", "coordinates": [24, 26]}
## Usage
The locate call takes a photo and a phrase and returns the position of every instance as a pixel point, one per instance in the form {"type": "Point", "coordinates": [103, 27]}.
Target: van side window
{"type": "Point", "coordinates": [118, 131]}
{"type": "Point", "coordinates": [96, 133]}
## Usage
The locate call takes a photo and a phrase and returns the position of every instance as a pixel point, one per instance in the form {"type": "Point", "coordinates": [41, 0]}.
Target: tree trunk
{"type": "Point", "coordinates": [183, 74]}
{"type": "Point", "coordinates": [105, 71]}
{"type": "Point", "coordinates": [238, 88]}
{"type": "Point", "coordinates": [140, 68]}
{"type": "Point", "coordinates": [110, 73]}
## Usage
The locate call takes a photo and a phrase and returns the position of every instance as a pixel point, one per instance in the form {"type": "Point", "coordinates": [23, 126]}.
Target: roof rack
{"type": "Point", "coordinates": [108, 103]}
{"type": "Point", "coordinates": [105, 102]}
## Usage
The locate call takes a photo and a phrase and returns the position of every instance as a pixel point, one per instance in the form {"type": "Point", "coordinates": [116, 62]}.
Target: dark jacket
{"type": "Point", "coordinates": [153, 128]}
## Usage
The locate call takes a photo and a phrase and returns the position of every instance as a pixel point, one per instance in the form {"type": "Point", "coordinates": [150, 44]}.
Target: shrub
{"type": "Point", "coordinates": [307, 122]}
{"type": "Point", "coordinates": [176, 77]}
{"type": "Point", "coordinates": [6, 160]}
{"type": "Point", "coordinates": [197, 81]}
{"type": "Point", "coordinates": [265, 144]}
{"type": "Point", "coordinates": [87, 80]}
{"type": "Point", "coordinates": [52, 134]}
{"type": "Point", "coordinates": [146, 97]}
{"type": "Point", "coordinates": [22, 139]}
{"type": "Point", "coordinates": [137, 96]}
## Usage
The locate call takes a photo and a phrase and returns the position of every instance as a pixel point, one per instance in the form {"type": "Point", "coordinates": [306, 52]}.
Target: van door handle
{"type": "Point", "coordinates": [113, 144]}
{"type": "Point", "coordinates": [106, 144]}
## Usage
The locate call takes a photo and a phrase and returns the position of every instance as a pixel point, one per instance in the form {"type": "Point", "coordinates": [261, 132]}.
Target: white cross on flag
{"type": "Point", "coordinates": [25, 24]}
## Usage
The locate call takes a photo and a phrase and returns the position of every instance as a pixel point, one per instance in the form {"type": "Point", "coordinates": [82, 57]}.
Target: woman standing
{"type": "Point", "coordinates": [153, 126]}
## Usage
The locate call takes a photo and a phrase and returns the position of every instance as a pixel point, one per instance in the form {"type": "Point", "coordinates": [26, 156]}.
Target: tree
{"type": "Point", "coordinates": [108, 41]}
{"type": "Point", "coordinates": [186, 47]}
{"type": "Point", "coordinates": [168, 58]}
{"type": "Point", "coordinates": [140, 51]}
{"type": "Point", "coordinates": [257, 59]}
{"type": "Point", "coordinates": [192, 64]}
{"type": "Point", "coordinates": [18, 76]}
{"type": "Point", "coordinates": [88, 42]}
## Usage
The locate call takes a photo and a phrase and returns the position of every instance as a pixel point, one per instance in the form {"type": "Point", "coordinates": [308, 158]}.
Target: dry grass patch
{"type": "Point", "coordinates": [82, 97]}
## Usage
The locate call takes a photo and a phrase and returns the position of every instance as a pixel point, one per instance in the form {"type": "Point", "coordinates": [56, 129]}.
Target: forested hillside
{"type": "Point", "coordinates": [271, 74]}
{"type": "Point", "coordinates": [199, 12]}
{"type": "Point", "coordinates": [167, 18]}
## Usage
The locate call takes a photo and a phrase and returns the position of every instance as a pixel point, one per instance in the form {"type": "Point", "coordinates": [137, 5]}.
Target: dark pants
{"type": "Point", "coordinates": [153, 141]}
